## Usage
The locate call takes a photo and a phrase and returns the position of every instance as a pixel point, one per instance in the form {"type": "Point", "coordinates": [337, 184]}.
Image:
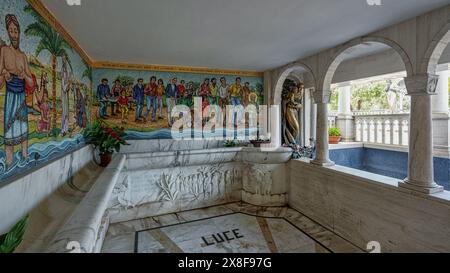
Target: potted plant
{"type": "Point", "coordinates": [105, 139]}
{"type": "Point", "coordinates": [230, 143]}
{"type": "Point", "coordinates": [260, 140]}
{"type": "Point", "coordinates": [334, 135]}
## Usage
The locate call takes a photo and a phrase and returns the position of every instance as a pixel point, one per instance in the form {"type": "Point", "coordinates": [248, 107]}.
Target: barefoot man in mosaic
{"type": "Point", "coordinates": [14, 72]}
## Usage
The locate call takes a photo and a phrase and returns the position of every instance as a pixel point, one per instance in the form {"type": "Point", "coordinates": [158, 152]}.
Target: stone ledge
{"type": "Point", "coordinates": [374, 179]}
{"type": "Point", "coordinates": [84, 224]}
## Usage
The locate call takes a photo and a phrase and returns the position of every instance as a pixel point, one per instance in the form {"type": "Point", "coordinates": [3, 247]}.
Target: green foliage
{"type": "Point", "coordinates": [333, 131]}
{"type": "Point", "coordinates": [334, 100]}
{"type": "Point", "coordinates": [55, 132]}
{"type": "Point", "coordinates": [10, 241]}
{"type": "Point", "coordinates": [230, 143]}
{"type": "Point", "coordinates": [372, 96]}
{"type": "Point", "coordinates": [195, 85]}
{"type": "Point", "coordinates": [259, 89]}
{"type": "Point", "coordinates": [50, 39]}
{"type": "Point", "coordinates": [125, 80]}
{"type": "Point", "coordinates": [87, 73]}
{"type": "Point", "coordinates": [104, 138]}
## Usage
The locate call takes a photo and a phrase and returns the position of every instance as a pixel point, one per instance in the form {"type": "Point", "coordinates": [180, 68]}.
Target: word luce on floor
{"type": "Point", "coordinates": [221, 237]}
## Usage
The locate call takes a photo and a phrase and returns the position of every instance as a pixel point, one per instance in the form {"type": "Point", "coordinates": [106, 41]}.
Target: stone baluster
{"type": "Point", "coordinates": [375, 129]}
{"type": "Point", "coordinates": [321, 99]}
{"type": "Point", "coordinates": [369, 130]}
{"type": "Point", "coordinates": [391, 131]}
{"type": "Point", "coordinates": [383, 131]}
{"type": "Point", "coordinates": [406, 141]}
{"type": "Point", "coordinates": [361, 132]}
{"type": "Point", "coordinates": [400, 131]}
{"type": "Point", "coordinates": [420, 158]}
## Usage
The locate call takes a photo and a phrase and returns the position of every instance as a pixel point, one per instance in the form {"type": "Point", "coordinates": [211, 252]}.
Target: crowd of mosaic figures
{"type": "Point", "coordinates": [148, 100]}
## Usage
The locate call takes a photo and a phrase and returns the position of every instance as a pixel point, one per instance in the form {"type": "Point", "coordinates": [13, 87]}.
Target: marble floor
{"type": "Point", "coordinates": [230, 228]}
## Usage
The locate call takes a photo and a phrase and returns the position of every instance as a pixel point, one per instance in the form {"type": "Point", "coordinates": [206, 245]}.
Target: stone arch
{"type": "Point", "coordinates": [435, 50]}
{"type": "Point", "coordinates": [283, 75]}
{"type": "Point", "coordinates": [338, 57]}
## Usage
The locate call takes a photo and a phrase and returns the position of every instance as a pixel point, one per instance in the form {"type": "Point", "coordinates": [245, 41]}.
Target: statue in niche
{"type": "Point", "coordinates": [291, 104]}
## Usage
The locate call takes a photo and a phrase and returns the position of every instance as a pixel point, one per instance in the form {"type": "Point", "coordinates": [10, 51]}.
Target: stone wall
{"type": "Point", "coordinates": [363, 207]}
{"type": "Point", "coordinates": [187, 176]}
{"type": "Point", "coordinates": [24, 194]}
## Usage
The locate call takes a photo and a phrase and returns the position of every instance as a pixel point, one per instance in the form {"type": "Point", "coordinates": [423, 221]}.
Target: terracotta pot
{"type": "Point", "coordinates": [334, 139]}
{"type": "Point", "coordinates": [257, 143]}
{"type": "Point", "coordinates": [105, 159]}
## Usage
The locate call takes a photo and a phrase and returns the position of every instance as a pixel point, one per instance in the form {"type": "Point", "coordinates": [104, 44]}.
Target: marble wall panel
{"type": "Point", "coordinates": [363, 207]}
{"type": "Point", "coordinates": [144, 193]}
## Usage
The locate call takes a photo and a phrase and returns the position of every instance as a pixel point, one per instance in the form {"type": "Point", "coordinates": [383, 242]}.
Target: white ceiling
{"type": "Point", "coordinates": [229, 34]}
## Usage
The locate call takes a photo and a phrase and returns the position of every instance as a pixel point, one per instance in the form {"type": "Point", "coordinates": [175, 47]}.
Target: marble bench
{"type": "Point", "coordinates": [154, 183]}
{"type": "Point", "coordinates": [142, 184]}
{"type": "Point", "coordinates": [83, 231]}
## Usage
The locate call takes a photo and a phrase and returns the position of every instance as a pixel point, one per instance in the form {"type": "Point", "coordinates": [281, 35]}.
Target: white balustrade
{"type": "Point", "coordinates": [389, 129]}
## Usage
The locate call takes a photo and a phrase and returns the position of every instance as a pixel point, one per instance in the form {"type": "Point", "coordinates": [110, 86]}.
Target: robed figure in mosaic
{"type": "Point", "coordinates": [291, 106]}
{"type": "Point", "coordinates": [15, 73]}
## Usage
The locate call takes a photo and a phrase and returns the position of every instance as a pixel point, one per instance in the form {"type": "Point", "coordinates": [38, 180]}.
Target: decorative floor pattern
{"type": "Point", "coordinates": [231, 228]}
{"type": "Point", "coordinates": [233, 233]}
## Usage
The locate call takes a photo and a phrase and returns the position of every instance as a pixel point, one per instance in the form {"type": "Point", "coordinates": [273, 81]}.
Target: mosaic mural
{"type": "Point", "coordinates": [44, 90]}
{"type": "Point", "coordinates": [48, 93]}
{"type": "Point", "coordinates": [141, 100]}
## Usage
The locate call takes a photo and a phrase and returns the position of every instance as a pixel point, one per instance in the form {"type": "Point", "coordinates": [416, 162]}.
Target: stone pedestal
{"type": "Point", "coordinates": [264, 177]}
{"type": "Point", "coordinates": [344, 120]}
{"type": "Point", "coordinates": [420, 161]}
{"type": "Point", "coordinates": [347, 128]}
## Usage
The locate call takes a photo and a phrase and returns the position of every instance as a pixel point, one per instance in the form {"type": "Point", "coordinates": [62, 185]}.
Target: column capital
{"type": "Point", "coordinates": [421, 84]}
{"type": "Point", "coordinates": [343, 84]}
{"type": "Point", "coordinates": [321, 96]}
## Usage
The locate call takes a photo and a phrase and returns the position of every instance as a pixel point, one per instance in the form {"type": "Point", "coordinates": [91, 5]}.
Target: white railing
{"type": "Point", "coordinates": [377, 112]}
{"type": "Point", "coordinates": [391, 129]}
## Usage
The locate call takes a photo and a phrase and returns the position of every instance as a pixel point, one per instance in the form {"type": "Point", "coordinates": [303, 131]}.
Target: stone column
{"type": "Point", "coordinates": [321, 99]}
{"type": "Point", "coordinates": [441, 119]}
{"type": "Point", "coordinates": [344, 120]}
{"type": "Point", "coordinates": [420, 158]}
{"type": "Point", "coordinates": [307, 117]}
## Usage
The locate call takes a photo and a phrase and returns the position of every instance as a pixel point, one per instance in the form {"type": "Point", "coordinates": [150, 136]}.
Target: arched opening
{"type": "Point", "coordinates": [436, 50]}
{"type": "Point", "coordinates": [366, 80]}
{"type": "Point", "coordinates": [293, 96]}
{"type": "Point", "coordinates": [437, 62]}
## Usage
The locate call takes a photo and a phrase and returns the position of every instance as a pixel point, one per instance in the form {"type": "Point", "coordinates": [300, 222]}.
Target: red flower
{"type": "Point", "coordinates": [114, 135]}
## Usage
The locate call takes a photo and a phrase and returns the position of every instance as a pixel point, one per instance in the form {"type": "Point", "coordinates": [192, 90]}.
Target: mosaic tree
{"type": "Point", "coordinates": [55, 44]}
